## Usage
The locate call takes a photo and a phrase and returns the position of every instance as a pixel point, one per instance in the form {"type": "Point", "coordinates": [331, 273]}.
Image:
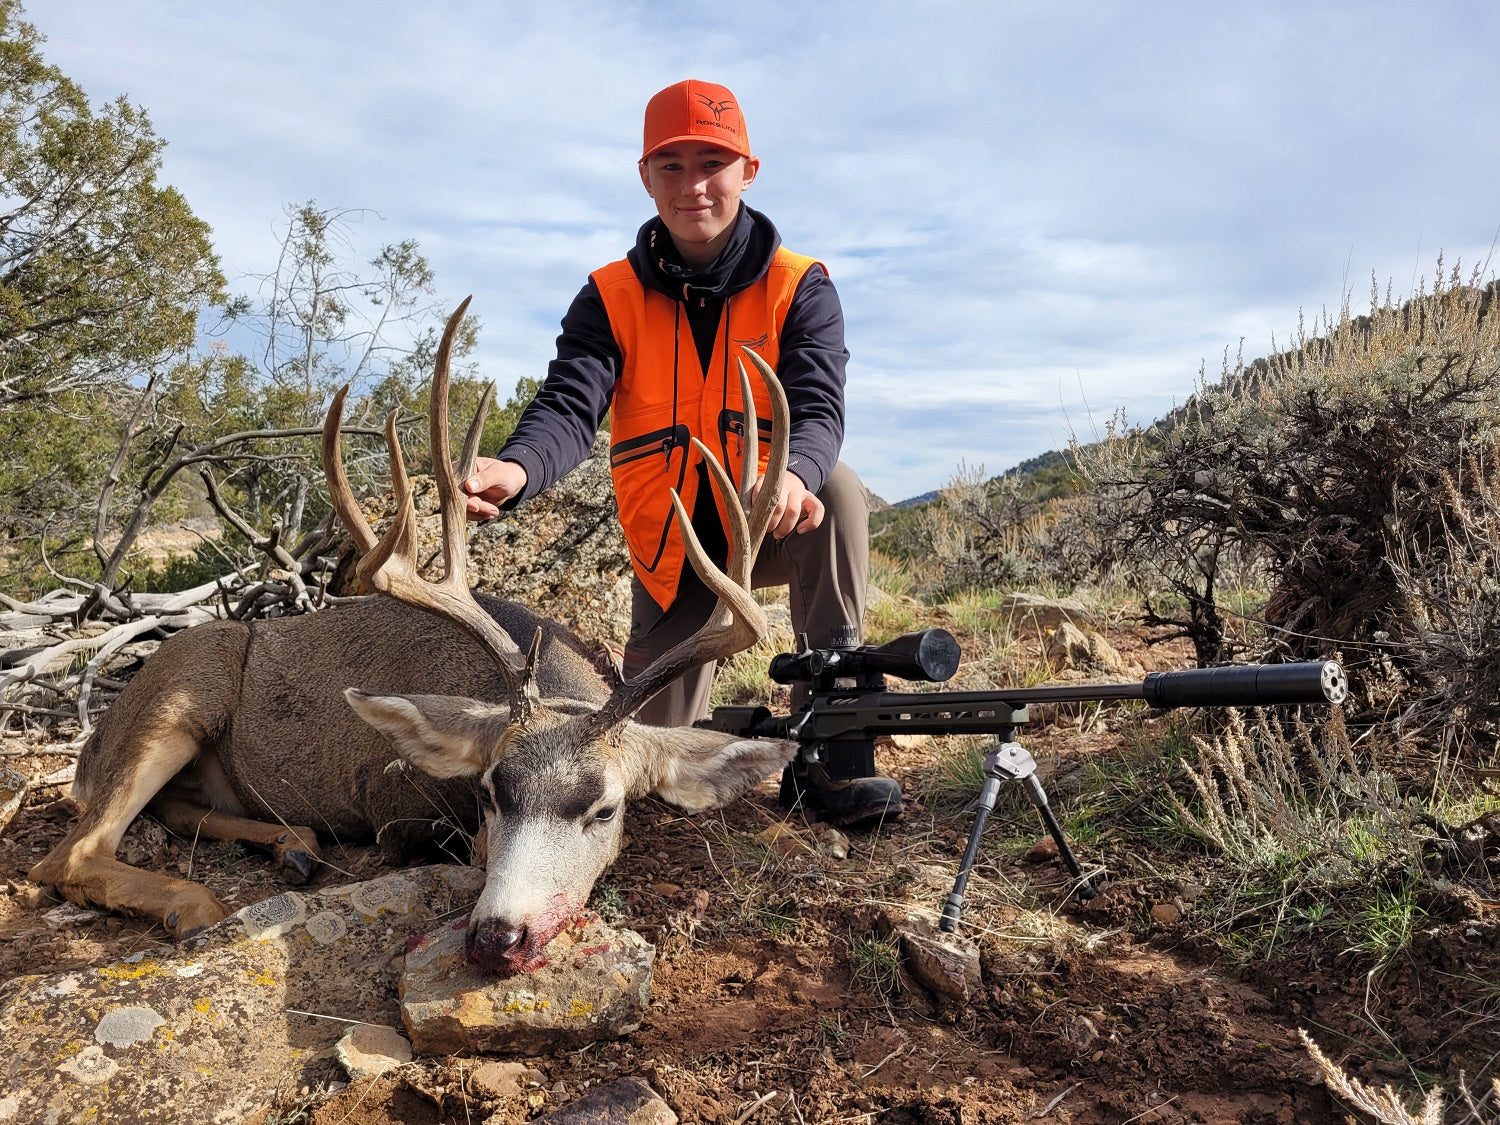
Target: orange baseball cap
{"type": "Point", "coordinates": [695, 111]}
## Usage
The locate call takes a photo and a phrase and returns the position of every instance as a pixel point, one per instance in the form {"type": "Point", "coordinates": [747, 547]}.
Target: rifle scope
{"type": "Point", "coordinates": [931, 655]}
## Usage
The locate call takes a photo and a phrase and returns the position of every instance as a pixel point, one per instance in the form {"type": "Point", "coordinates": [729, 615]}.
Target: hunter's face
{"type": "Point", "coordinates": [697, 193]}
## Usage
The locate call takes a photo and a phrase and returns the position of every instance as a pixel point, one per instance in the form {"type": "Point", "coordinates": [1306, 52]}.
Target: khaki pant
{"type": "Point", "coordinates": [826, 572]}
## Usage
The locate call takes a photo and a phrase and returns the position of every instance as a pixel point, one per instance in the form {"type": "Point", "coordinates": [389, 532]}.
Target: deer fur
{"type": "Point", "coordinates": [381, 720]}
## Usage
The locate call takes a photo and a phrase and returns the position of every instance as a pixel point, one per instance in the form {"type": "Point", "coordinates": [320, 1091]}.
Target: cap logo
{"type": "Point", "coordinates": [717, 108]}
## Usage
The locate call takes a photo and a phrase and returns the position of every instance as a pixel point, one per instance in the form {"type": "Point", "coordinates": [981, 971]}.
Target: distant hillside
{"type": "Point", "coordinates": [1053, 475]}
{"type": "Point", "coordinates": [1037, 480]}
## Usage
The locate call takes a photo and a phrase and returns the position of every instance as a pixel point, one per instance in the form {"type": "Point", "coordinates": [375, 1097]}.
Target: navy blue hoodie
{"type": "Point", "coordinates": [557, 429]}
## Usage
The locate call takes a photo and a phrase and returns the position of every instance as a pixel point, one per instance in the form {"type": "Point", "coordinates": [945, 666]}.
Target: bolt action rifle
{"type": "Point", "coordinates": [849, 705]}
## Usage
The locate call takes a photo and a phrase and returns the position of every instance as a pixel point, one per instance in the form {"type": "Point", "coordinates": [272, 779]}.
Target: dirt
{"type": "Point", "coordinates": [776, 997]}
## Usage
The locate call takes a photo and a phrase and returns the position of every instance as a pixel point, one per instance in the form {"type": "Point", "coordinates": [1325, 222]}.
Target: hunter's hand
{"type": "Point", "coordinates": [491, 484]}
{"type": "Point", "coordinates": [798, 509]}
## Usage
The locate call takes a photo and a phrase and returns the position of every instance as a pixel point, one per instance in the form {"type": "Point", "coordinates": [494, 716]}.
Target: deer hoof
{"type": "Point", "coordinates": [296, 853]}
{"type": "Point", "coordinates": [296, 866]}
{"type": "Point", "coordinates": [186, 921]}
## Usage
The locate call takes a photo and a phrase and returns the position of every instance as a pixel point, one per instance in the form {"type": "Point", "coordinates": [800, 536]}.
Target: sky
{"type": "Point", "coordinates": [1037, 215]}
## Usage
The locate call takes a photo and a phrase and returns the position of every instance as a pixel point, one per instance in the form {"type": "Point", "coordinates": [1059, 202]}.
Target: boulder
{"type": "Point", "coordinates": [1034, 612]}
{"type": "Point", "coordinates": [596, 985]}
{"type": "Point", "coordinates": [1069, 647]}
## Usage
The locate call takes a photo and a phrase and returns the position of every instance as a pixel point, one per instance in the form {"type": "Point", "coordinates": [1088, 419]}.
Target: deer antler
{"type": "Point", "coordinates": [389, 565]}
{"type": "Point", "coordinates": [737, 621]}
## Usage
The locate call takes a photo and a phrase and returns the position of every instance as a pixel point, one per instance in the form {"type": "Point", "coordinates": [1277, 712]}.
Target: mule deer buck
{"type": "Point", "coordinates": [253, 731]}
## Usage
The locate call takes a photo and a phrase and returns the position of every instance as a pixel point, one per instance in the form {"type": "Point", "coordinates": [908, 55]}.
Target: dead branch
{"type": "Point", "coordinates": [269, 545]}
{"type": "Point", "coordinates": [37, 669]}
{"type": "Point", "coordinates": [155, 482]}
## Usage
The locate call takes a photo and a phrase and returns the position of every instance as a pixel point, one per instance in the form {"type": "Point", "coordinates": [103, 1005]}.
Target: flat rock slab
{"type": "Point", "coordinates": [206, 1030]}
{"type": "Point", "coordinates": [596, 985]}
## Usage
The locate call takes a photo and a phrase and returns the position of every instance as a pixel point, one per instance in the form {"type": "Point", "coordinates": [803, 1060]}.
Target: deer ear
{"type": "Point", "coordinates": [698, 769]}
{"type": "Point", "coordinates": [441, 735]}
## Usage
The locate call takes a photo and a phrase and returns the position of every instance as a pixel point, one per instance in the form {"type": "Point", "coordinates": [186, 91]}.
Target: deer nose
{"type": "Point", "coordinates": [495, 945]}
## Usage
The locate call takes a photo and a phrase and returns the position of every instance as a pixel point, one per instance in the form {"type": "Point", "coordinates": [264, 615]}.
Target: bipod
{"type": "Point", "coordinates": [1008, 761]}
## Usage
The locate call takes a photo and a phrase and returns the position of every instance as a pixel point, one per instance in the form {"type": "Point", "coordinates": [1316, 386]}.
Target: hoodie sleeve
{"type": "Point", "coordinates": [811, 368]}
{"type": "Point", "coordinates": [557, 428]}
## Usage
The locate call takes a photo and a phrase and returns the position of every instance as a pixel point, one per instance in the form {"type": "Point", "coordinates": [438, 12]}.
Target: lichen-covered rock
{"type": "Point", "coordinates": [1071, 647]}
{"type": "Point", "coordinates": [596, 985]}
{"type": "Point", "coordinates": [208, 1029]}
{"type": "Point", "coordinates": [561, 554]}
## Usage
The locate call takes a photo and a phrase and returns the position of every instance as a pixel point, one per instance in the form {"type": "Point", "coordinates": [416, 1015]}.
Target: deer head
{"type": "Point", "coordinates": [553, 775]}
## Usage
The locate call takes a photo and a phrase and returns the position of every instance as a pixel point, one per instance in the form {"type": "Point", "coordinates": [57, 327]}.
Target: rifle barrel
{"type": "Point", "coordinates": [1247, 685]}
{"type": "Point", "coordinates": [1251, 685]}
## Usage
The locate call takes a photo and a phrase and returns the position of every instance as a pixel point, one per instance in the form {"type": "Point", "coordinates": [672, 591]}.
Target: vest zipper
{"type": "Point", "coordinates": [676, 358]}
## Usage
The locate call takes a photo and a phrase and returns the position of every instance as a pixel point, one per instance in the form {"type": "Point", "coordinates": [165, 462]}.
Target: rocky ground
{"type": "Point", "coordinates": [781, 992]}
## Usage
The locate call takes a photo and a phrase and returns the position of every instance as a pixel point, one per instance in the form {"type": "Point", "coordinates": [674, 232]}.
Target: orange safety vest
{"type": "Point", "coordinates": [663, 398]}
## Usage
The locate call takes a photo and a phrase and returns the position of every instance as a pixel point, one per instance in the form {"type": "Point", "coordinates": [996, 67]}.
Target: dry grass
{"type": "Point", "coordinates": [1386, 1105]}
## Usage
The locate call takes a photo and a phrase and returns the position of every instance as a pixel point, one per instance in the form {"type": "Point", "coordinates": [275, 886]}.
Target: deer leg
{"type": "Point", "coordinates": [83, 866]}
{"type": "Point", "coordinates": [294, 848]}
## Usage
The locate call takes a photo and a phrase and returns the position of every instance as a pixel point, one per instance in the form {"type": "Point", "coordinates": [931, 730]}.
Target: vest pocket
{"type": "Point", "coordinates": [658, 443]}
{"type": "Point", "coordinates": [732, 425]}
{"type": "Point", "coordinates": [641, 489]}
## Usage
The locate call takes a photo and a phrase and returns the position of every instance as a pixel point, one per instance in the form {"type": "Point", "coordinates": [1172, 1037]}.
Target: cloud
{"type": "Point", "coordinates": [1036, 213]}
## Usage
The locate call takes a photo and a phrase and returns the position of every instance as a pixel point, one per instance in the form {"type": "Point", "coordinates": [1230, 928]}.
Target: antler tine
{"type": "Point", "coordinates": [396, 553]}
{"type": "Point", "coordinates": [737, 621]}
{"type": "Point", "coordinates": [338, 483]}
{"type": "Point", "coordinates": [750, 444]}
{"type": "Point", "coordinates": [760, 514]}
{"type": "Point", "coordinates": [450, 496]}
{"type": "Point", "coordinates": [470, 452]}
{"type": "Point", "coordinates": [390, 565]}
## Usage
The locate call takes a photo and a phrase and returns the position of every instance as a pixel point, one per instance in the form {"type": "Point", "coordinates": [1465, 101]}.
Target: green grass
{"type": "Point", "coordinates": [1383, 924]}
{"type": "Point", "coordinates": [875, 965]}
{"type": "Point", "coordinates": [779, 919]}
{"type": "Point", "coordinates": [978, 612]}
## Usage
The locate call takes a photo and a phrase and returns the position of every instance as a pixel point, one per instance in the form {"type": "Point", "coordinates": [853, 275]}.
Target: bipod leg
{"type": "Point", "coordinates": [1008, 761]}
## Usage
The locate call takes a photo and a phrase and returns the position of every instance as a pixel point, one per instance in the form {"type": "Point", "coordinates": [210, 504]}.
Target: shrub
{"type": "Point", "coordinates": [1355, 476]}
{"type": "Point", "coordinates": [1001, 533]}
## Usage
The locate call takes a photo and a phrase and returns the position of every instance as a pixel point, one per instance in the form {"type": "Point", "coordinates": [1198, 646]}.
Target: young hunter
{"type": "Point", "coordinates": [655, 339]}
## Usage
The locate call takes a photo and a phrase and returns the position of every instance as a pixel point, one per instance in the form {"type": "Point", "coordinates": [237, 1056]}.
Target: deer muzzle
{"type": "Point", "coordinates": [507, 947]}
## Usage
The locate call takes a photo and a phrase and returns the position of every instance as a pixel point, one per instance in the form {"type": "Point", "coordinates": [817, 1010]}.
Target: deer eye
{"type": "Point", "coordinates": [604, 815]}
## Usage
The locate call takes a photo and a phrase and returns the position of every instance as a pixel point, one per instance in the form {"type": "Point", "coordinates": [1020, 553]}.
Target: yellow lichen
{"type": "Point", "coordinates": [67, 1051]}
{"type": "Point", "coordinates": [129, 971]}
